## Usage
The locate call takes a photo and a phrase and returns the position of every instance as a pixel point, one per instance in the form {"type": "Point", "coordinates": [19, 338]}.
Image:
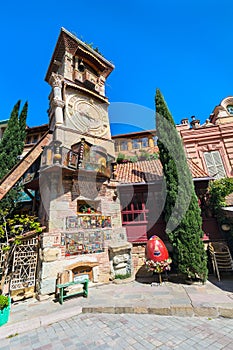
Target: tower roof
{"type": "Point", "coordinates": [68, 42]}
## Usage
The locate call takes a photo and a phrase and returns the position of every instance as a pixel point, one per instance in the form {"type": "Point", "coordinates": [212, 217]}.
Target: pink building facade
{"type": "Point", "coordinates": [210, 145]}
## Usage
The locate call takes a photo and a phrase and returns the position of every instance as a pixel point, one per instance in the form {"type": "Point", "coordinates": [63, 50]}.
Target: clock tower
{"type": "Point", "coordinates": [79, 206]}
{"type": "Point", "coordinates": [78, 104]}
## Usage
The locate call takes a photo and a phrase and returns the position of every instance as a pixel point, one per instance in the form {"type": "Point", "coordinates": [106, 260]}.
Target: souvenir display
{"type": "Point", "coordinates": [84, 243]}
{"type": "Point", "coordinates": [88, 221]}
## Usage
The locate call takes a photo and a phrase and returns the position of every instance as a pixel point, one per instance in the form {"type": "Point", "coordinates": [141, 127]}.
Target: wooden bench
{"type": "Point", "coordinates": [62, 287]}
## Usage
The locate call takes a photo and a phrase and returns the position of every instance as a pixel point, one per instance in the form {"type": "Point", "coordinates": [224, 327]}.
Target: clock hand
{"type": "Point", "coordinates": [86, 115]}
{"type": "Point", "coordinates": [94, 122]}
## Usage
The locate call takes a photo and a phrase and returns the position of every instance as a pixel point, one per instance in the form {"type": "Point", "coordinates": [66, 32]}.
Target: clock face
{"type": "Point", "coordinates": [86, 116]}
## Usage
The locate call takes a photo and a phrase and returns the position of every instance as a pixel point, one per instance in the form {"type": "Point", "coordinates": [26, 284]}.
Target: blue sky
{"type": "Point", "coordinates": [182, 47]}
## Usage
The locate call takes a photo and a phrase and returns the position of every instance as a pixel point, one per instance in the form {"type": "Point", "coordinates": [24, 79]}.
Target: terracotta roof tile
{"type": "Point", "coordinates": [196, 171]}
{"type": "Point", "coordinates": [149, 171]}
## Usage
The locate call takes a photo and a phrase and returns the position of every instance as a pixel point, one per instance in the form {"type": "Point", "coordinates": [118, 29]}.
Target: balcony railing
{"type": "Point", "coordinates": [54, 154]}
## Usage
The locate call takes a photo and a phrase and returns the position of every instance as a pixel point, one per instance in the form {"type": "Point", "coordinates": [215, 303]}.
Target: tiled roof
{"type": "Point", "coordinates": [196, 171]}
{"type": "Point", "coordinates": [149, 171]}
{"type": "Point", "coordinates": [141, 171]}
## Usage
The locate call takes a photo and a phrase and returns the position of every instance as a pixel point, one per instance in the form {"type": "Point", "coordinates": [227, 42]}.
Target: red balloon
{"type": "Point", "coordinates": [156, 249]}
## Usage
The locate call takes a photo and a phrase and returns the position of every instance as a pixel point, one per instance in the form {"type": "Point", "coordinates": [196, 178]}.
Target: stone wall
{"type": "Point", "coordinates": [62, 200]}
{"type": "Point", "coordinates": [51, 269]}
{"type": "Point", "coordinates": [120, 259]}
{"type": "Point", "coordinates": [138, 258]}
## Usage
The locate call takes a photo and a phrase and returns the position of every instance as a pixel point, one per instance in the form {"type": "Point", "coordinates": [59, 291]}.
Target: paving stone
{"type": "Point", "coordinates": [159, 310]}
{"type": "Point", "coordinates": [225, 311]}
{"type": "Point", "coordinates": [206, 311]}
{"type": "Point", "coordinates": [182, 310]}
{"type": "Point", "coordinates": [49, 320]}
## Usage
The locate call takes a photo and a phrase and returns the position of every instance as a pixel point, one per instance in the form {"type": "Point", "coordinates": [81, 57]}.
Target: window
{"type": "Point", "coordinates": [230, 109]}
{"type": "Point", "coordinates": [144, 142]}
{"type": "Point", "coordinates": [155, 138]}
{"type": "Point", "coordinates": [72, 159]}
{"type": "Point", "coordinates": [117, 146]}
{"type": "Point", "coordinates": [214, 164]}
{"type": "Point", "coordinates": [35, 138]}
{"type": "Point", "coordinates": [133, 208]}
{"type": "Point", "coordinates": [124, 145]}
{"type": "Point", "coordinates": [136, 143]}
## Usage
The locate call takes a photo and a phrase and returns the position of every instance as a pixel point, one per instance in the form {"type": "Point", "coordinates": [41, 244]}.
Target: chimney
{"type": "Point", "coordinates": [195, 123]}
{"type": "Point", "coordinates": [185, 121]}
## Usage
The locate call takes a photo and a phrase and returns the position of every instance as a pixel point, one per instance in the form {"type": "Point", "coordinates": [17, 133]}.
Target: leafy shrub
{"type": "Point", "coordinates": [122, 277]}
{"type": "Point", "coordinates": [120, 158]}
{"type": "Point", "coordinates": [133, 159]}
{"type": "Point", "coordinates": [4, 301]}
{"type": "Point", "coordinates": [154, 156]}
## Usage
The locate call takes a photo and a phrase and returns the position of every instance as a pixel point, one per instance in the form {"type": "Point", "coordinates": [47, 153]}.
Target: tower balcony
{"type": "Point", "coordinates": [92, 160]}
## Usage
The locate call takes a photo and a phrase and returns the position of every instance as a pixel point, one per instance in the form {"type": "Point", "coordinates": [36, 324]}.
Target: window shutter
{"type": "Point", "coordinates": [210, 163]}
{"type": "Point", "coordinates": [219, 165]}
{"type": "Point", "coordinates": [214, 164]}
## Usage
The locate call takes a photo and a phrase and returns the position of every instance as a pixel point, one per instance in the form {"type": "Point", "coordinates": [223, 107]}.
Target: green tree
{"type": "Point", "coordinates": [12, 142]}
{"type": "Point", "coordinates": [181, 211]}
{"type": "Point", "coordinates": [22, 126]}
{"type": "Point", "coordinates": [217, 192]}
{"type": "Point", "coordinates": [11, 147]}
{"type": "Point", "coordinates": [12, 231]}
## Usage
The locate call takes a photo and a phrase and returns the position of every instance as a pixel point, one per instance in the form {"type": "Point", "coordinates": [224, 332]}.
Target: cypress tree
{"type": "Point", "coordinates": [11, 147]}
{"type": "Point", "coordinates": [12, 142]}
{"type": "Point", "coordinates": [22, 127]}
{"type": "Point", "coordinates": [9, 142]}
{"type": "Point", "coordinates": [181, 211]}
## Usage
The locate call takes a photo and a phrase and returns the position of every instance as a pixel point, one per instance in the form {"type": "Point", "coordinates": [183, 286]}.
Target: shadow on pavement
{"type": "Point", "coordinates": [226, 282]}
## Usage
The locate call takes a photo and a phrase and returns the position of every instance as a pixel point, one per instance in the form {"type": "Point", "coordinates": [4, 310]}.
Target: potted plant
{"type": "Point", "coordinates": [5, 305]}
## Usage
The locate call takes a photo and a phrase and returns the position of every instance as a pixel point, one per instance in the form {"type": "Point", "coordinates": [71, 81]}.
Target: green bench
{"type": "Point", "coordinates": [62, 287]}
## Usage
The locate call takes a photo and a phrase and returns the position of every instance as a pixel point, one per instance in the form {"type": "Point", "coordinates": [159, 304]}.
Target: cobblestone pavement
{"type": "Point", "coordinates": [128, 331]}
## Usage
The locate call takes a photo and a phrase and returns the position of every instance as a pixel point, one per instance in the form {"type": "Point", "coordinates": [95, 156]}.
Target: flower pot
{"type": "Point", "coordinates": [5, 313]}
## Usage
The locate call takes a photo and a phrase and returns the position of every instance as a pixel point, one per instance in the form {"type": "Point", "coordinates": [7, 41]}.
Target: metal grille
{"type": "Point", "coordinates": [1, 255]}
{"type": "Point", "coordinates": [24, 265]}
{"type": "Point", "coordinates": [1, 259]}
